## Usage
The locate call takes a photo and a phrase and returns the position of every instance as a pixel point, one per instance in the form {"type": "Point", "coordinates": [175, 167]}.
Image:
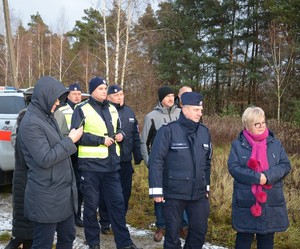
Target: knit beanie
{"type": "Point", "coordinates": [94, 83]}
{"type": "Point", "coordinates": [163, 92]}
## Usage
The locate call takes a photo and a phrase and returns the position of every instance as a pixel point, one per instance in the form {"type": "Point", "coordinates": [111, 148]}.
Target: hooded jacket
{"type": "Point", "coordinates": [274, 216]}
{"type": "Point", "coordinates": [160, 115]}
{"type": "Point", "coordinates": [51, 193]}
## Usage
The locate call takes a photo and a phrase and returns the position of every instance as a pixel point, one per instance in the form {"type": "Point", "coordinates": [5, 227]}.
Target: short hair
{"type": "Point", "coordinates": [252, 115]}
{"type": "Point", "coordinates": [184, 89]}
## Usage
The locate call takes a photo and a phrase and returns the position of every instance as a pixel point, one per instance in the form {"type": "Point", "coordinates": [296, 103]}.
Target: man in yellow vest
{"type": "Point", "coordinates": [99, 162]}
{"type": "Point", "coordinates": [74, 97]}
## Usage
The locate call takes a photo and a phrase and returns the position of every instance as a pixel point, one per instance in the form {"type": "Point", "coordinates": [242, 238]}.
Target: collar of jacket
{"type": "Point", "coordinates": [165, 110]}
{"type": "Point", "coordinates": [118, 106]}
{"type": "Point", "coordinates": [189, 124]}
{"type": "Point", "coordinates": [245, 143]}
{"type": "Point", "coordinates": [96, 102]}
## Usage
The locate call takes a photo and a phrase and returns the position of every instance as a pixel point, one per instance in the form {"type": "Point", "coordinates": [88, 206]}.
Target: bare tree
{"type": "Point", "coordinates": [279, 52]}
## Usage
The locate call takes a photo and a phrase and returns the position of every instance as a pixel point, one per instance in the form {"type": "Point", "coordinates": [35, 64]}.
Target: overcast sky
{"type": "Point", "coordinates": [51, 11]}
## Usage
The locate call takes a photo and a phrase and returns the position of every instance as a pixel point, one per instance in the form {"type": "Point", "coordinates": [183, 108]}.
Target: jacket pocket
{"type": "Point", "coordinates": [243, 196]}
{"type": "Point", "coordinates": [178, 185]}
{"type": "Point", "coordinates": [275, 197]}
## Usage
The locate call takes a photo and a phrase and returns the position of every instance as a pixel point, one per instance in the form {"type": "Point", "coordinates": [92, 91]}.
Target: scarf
{"type": "Point", "coordinates": [258, 162]}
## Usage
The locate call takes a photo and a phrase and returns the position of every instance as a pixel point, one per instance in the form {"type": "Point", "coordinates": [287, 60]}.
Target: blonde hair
{"type": "Point", "coordinates": [252, 115]}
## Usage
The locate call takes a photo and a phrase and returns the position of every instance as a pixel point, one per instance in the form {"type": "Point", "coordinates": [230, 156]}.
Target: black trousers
{"type": "Point", "coordinates": [109, 184]}
{"type": "Point", "coordinates": [126, 173]}
{"type": "Point", "coordinates": [244, 240]}
{"type": "Point", "coordinates": [43, 236]}
{"type": "Point", "coordinates": [197, 211]}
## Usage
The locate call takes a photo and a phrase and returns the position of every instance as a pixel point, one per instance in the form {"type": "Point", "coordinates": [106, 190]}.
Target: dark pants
{"type": "Point", "coordinates": [244, 240]}
{"type": "Point", "coordinates": [126, 173]}
{"type": "Point", "coordinates": [43, 234]}
{"type": "Point", "coordinates": [197, 212]}
{"type": "Point", "coordinates": [159, 214]}
{"type": "Point", "coordinates": [109, 185]}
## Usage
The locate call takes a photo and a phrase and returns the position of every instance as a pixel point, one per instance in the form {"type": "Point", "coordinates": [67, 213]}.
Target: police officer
{"type": "Point", "coordinates": [129, 146]}
{"type": "Point", "coordinates": [179, 173]}
{"type": "Point", "coordinates": [99, 162]}
{"type": "Point", "coordinates": [74, 97]}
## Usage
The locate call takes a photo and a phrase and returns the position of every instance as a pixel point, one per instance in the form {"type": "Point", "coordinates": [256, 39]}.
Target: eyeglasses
{"type": "Point", "coordinates": [260, 125]}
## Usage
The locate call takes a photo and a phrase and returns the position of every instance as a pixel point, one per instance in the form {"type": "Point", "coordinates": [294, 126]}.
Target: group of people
{"type": "Point", "coordinates": [91, 165]}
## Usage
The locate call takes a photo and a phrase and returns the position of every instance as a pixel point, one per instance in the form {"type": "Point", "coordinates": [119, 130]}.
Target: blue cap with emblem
{"type": "Point", "coordinates": [114, 89]}
{"type": "Point", "coordinates": [74, 87]}
{"type": "Point", "coordinates": [191, 98]}
{"type": "Point", "coordinates": [95, 82]}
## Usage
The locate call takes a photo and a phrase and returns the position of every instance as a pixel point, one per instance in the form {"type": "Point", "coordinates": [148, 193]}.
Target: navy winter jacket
{"type": "Point", "coordinates": [179, 163]}
{"type": "Point", "coordinates": [112, 162]}
{"type": "Point", "coordinates": [274, 216]}
{"type": "Point", "coordinates": [131, 141]}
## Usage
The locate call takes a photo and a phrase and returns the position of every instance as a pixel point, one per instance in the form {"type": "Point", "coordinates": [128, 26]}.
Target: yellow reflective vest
{"type": "Point", "coordinates": [94, 124]}
{"type": "Point", "coordinates": [67, 111]}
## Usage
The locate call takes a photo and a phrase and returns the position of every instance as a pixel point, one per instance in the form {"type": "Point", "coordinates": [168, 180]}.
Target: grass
{"type": "Point", "coordinates": [220, 232]}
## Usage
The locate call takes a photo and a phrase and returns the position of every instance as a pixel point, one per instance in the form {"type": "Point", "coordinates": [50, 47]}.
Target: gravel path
{"type": "Point", "coordinates": [142, 238]}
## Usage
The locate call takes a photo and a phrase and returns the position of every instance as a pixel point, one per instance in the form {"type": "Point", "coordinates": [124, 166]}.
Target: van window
{"type": "Point", "coordinates": [11, 104]}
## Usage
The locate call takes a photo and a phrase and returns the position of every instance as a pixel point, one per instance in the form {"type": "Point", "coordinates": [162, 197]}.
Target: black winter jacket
{"type": "Point", "coordinates": [180, 160]}
{"type": "Point", "coordinates": [22, 228]}
{"type": "Point", "coordinates": [51, 193]}
{"type": "Point", "coordinates": [112, 162]}
{"type": "Point", "coordinates": [131, 141]}
{"type": "Point", "coordinates": [274, 213]}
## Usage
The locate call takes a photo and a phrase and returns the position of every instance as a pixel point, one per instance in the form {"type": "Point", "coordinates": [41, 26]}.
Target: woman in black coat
{"type": "Point", "coordinates": [51, 193]}
{"type": "Point", "coordinates": [258, 163]}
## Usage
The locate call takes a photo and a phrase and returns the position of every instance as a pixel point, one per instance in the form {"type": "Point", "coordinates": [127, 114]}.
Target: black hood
{"type": "Point", "coordinates": [46, 91]}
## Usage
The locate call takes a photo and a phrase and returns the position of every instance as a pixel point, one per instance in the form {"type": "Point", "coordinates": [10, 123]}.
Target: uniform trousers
{"type": "Point", "coordinates": [197, 212]}
{"type": "Point", "coordinates": [43, 234]}
{"type": "Point", "coordinates": [126, 173]}
{"type": "Point", "coordinates": [92, 183]}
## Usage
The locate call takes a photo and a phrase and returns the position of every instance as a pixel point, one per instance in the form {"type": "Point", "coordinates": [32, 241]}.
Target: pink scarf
{"type": "Point", "coordinates": [258, 162]}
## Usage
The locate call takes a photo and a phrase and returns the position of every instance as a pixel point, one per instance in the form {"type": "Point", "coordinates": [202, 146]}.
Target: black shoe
{"type": "Point", "coordinates": [14, 243]}
{"type": "Point", "coordinates": [94, 247]}
{"type": "Point", "coordinates": [78, 222]}
{"type": "Point", "coordinates": [27, 244]}
{"type": "Point", "coordinates": [105, 229]}
{"type": "Point", "coordinates": [133, 246]}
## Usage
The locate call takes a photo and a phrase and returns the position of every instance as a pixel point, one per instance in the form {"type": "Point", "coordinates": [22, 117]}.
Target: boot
{"type": "Point", "coordinates": [27, 244]}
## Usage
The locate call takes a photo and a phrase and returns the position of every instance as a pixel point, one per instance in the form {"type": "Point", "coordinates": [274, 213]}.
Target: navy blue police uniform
{"type": "Point", "coordinates": [129, 146]}
{"type": "Point", "coordinates": [179, 171]}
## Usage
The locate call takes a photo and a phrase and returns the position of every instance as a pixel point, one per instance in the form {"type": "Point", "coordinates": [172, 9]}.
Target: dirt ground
{"type": "Point", "coordinates": [142, 238]}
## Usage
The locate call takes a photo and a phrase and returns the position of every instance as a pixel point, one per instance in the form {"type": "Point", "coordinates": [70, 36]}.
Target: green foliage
{"type": "Point", "coordinates": [296, 113]}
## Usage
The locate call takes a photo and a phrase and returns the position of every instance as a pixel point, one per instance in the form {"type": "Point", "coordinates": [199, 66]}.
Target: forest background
{"type": "Point", "coordinates": [237, 53]}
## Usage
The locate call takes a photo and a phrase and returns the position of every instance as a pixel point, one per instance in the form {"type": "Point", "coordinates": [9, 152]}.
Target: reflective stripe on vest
{"type": "Point", "coordinates": [94, 124]}
{"type": "Point", "coordinates": [67, 111]}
